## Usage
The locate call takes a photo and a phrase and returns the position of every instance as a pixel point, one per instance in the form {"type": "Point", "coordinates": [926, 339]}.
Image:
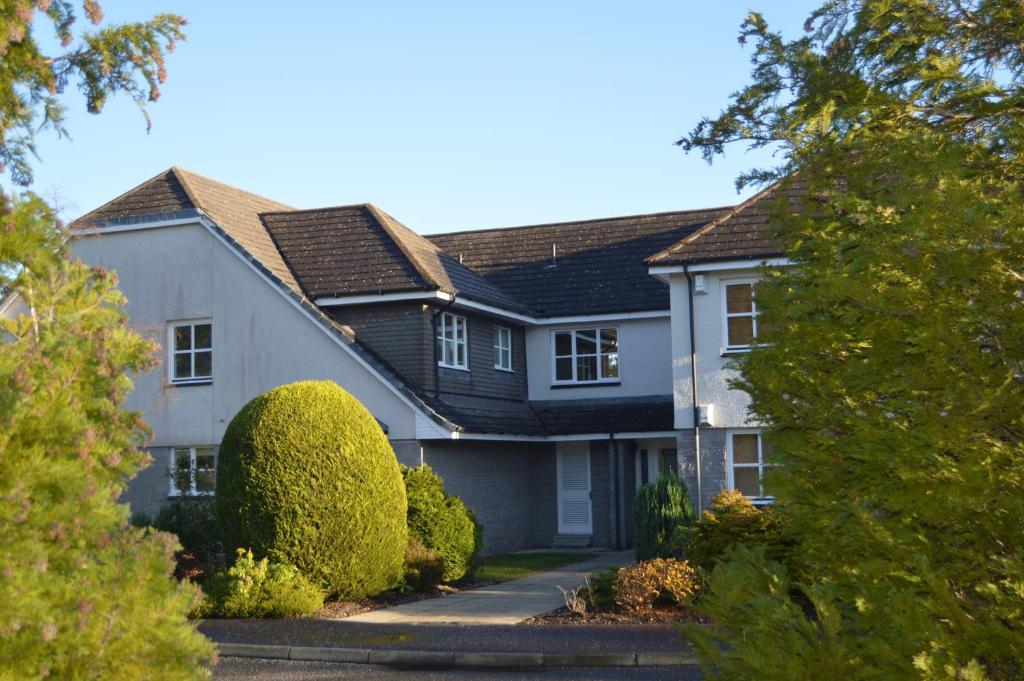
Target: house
{"type": "Point", "coordinates": [544, 371]}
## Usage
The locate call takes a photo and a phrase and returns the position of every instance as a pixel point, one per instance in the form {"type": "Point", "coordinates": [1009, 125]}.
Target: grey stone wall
{"type": "Point", "coordinates": [712, 462]}
{"type": "Point", "coordinates": [496, 480]}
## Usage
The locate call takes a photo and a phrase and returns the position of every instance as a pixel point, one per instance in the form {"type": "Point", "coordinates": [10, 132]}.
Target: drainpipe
{"type": "Point", "coordinates": [437, 372]}
{"type": "Point", "coordinates": [613, 475]}
{"type": "Point", "coordinates": [693, 386]}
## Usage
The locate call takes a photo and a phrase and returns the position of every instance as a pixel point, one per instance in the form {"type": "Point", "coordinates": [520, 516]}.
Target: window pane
{"type": "Point", "coordinates": [182, 337]}
{"type": "Point", "coordinates": [668, 463]}
{"type": "Point", "coordinates": [205, 458]}
{"type": "Point", "coordinates": [563, 344]}
{"type": "Point", "coordinates": [202, 336]}
{"type": "Point", "coordinates": [460, 354]}
{"type": "Point", "coordinates": [206, 482]}
{"type": "Point", "coordinates": [610, 366]}
{"type": "Point", "coordinates": [586, 368]}
{"type": "Point", "coordinates": [563, 369]}
{"type": "Point", "coordinates": [497, 337]}
{"type": "Point", "coordinates": [586, 342]}
{"type": "Point", "coordinates": [204, 363]}
{"type": "Point", "coordinates": [181, 473]}
{"type": "Point", "coordinates": [609, 340]}
{"type": "Point", "coordinates": [744, 448]}
{"type": "Point", "coordinates": [449, 351]}
{"type": "Point", "coordinates": [739, 298]}
{"type": "Point", "coordinates": [741, 331]}
{"type": "Point", "coordinates": [183, 365]}
{"type": "Point", "coordinates": [747, 481]}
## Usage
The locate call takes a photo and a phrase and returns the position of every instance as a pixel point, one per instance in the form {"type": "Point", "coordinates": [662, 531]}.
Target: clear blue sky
{"type": "Point", "coordinates": [448, 115]}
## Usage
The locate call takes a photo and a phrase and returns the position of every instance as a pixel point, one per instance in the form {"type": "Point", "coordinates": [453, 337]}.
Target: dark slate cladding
{"type": "Point", "coordinates": [399, 333]}
{"type": "Point", "coordinates": [743, 233]}
{"type": "Point", "coordinates": [598, 265]}
{"type": "Point", "coordinates": [483, 379]}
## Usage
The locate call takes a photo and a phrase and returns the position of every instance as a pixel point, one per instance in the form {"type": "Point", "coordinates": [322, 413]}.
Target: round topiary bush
{"type": "Point", "coordinates": [306, 476]}
{"type": "Point", "coordinates": [442, 522]}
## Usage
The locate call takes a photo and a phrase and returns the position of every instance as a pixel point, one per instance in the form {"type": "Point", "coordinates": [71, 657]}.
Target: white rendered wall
{"type": "Point", "coordinates": [645, 353]}
{"type": "Point", "coordinates": [260, 339]}
{"type": "Point", "coordinates": [713, 374]}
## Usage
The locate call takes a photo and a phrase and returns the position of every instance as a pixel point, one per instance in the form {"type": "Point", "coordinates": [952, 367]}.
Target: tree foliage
{"type": "Point", "coordinates": [82, 593]}
{"type": "Point", "coordinates": [892, 374]}
{"type": "Point", "coordinates": [662, 511]}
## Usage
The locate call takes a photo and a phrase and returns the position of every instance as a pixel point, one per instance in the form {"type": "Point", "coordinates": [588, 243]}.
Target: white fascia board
{"type": "Point", "coordinates": [664, 271]}
{"type": "Point", "coordinates": [492, 310]}
{"type": "Point", "coordinates": [609, 317]}
{"type": "Point", "coordinates": [137, 227]}
{"type": "Point", "coordinates": [329, 301]}
{"type": "Point", "coordinates": [417, 409]}
{"type": "Point", "coordinates": [639, 435]}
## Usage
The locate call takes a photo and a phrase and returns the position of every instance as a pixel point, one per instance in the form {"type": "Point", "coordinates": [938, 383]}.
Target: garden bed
{"type": "Point", "coordinates": [563, 617]}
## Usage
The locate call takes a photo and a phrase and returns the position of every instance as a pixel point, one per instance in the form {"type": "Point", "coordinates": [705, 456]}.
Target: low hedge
{"type": "Point", "coordinates": [253, 589]}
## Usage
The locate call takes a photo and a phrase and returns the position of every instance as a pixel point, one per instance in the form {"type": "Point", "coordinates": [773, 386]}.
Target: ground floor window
{"type": "Point", "coordinates": [193, 471]}
{"type": "Point", "coordinates": [749, 458]}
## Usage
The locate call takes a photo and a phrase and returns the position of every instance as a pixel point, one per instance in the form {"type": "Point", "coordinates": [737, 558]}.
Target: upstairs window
{"type": "Point", "coordinates": [503, 348]}
{"type": "Point", "coordinates": [191, 352]}
{"type": "Point", "coordinates": [740, 315]}
{"type": "Point", "coordinates": [587, 356]}
{"type": "Point", "coordinates": [451, 341]}
{"type": "Point", "coordinates": [193, 471]}
{"type": "Point", "coordinates": [749, 458]}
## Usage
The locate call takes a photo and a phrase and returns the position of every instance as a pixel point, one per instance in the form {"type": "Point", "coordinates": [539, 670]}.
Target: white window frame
{"type": "Point", "coordinates": [761, 465]}
{"type": "Point", "coordinates": [456, 323]}
{"type": "Point", "coordinates": [726, 315]}
{"type": "Point", "coordinates": [597, 335]}
{"type": "Point", "coordinates": [173, 352]}
{"type": "Point", "coordinates": [172, 470]}
{"type": "Point", "coordinates": [502, 348]}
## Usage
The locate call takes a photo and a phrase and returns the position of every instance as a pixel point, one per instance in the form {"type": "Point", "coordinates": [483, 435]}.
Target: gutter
{"type": "Point", "coordinates": [693, 386]}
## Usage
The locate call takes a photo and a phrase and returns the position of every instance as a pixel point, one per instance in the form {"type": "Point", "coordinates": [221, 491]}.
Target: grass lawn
{"type": "Point", "coordinates": [515, 565]}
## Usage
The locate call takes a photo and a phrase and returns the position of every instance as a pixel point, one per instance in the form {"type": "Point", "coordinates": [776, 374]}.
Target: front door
{"type": "Point", "coordinates": [573, 467]}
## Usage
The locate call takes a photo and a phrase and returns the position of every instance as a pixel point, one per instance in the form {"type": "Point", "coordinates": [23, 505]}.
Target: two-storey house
{"type": "Point", "coordinates": [541, 370]}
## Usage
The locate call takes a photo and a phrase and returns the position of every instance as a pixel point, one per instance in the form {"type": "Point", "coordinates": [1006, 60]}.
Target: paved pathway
{"type": "Point", "coordinates": [507, 603]}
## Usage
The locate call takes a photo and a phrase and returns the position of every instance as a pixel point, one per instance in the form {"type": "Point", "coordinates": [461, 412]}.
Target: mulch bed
{"type": "Point", "coordinates": [563, 617]}
{"type": "Point", "coordinates": [341, 609]}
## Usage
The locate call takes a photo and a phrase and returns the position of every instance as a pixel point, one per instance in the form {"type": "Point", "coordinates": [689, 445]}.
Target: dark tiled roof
{"type": "Point", "coordinates": [744, 233]}
{"type": "Point", "coordinates": [177, 192]}
{"type": "Point", "coordinates": [357, 250]}
{"type": "Point", "coordinates": [557, 417]}
{"type": "Point", "coordinates": [616, 415]}
{"type": "Point", "coordinates": [599, 264]}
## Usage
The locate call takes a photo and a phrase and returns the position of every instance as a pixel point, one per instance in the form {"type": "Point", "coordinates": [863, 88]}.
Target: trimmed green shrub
{"type": "Point", "coordinates": [733, 520]}
{"type": "Point", "coordinates": [251, 589]}
{"type": "Point", "coordinates": [602, 587]}
{"type": "Point", "coordinates": [442, 521]}
{"type": "Point", "coordinates": [307, 477]}
{"type": "Point", "coordinates": [660, 509]}
{"type": "Point", "coordinates": [424, 568]}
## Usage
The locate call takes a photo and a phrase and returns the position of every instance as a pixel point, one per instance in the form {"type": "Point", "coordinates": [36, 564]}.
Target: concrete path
{"type": "Point", "coordinates": [507, 603]}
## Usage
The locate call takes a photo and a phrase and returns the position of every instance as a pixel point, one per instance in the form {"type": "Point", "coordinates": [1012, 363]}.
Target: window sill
{"type": "Point", "coordinates": [449, 367]}
{"type": "Point", "coordinates": [588, 384]}
{"type": "Point", "coordinates": [733, 352]}
{"type": "Point", "coordinates": [188, 497]}
{"type": "Point", "coordinates": [504, 370]}
{"type": "Point", "coordinates": [202, 381]}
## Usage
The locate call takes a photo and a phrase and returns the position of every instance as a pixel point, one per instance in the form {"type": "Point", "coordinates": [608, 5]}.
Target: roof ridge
{"type": "Point", "coordinates": [585, 221]}
{"type": "Point", "coordinates": [383, 219]}
{"type": "Point", "coordinates": [180, 173]}
{"type": "Point", "coordinates": [674, 248]}
{"type": "Point", "coordinates": [315, 210]}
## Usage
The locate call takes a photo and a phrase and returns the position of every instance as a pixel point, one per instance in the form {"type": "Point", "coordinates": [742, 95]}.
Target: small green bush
{"type": "Point", "coordinates": [733, 520]}
{"type": "Point", "coordinates": [602, 587]}
{"type": "Point", "coordinates": [660, 509]}
{"type": "Point", "coordinates": [307, 477]}
{"type": "Point", "coordinates": [442, 521]}
{"type": "Point", "coordinates": [252, 589]}
{"type": "Point", "coordinates": [424, 568]}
